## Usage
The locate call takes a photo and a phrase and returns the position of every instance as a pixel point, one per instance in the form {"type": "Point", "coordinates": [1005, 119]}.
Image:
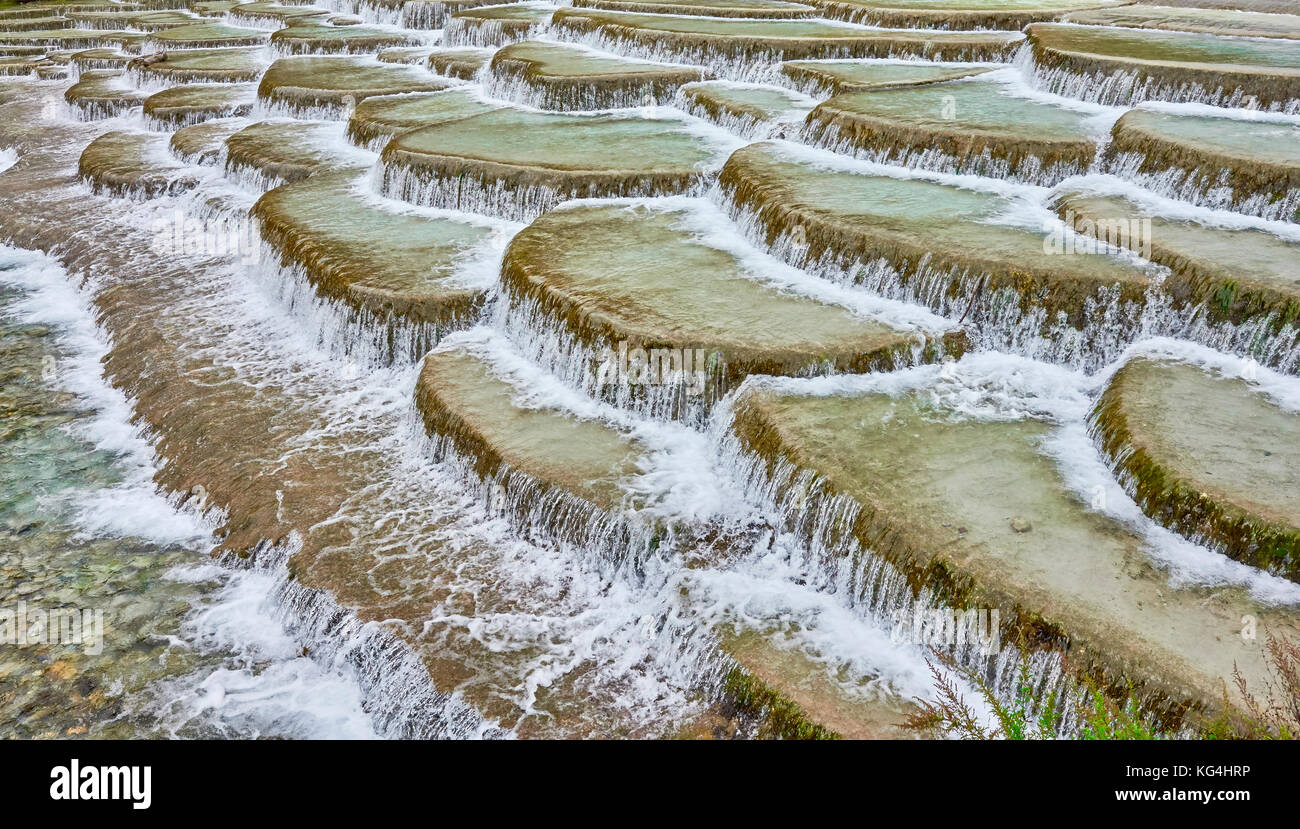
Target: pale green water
{"type": "Point", "coordinates": [948, 220]}
{"type": "Point", "coordinates": [1192, 423]}
{"type": "Point", "coordinates": [568, 61]}
{"type": "Point", "coordinates": [646, 274]}
{"type": "Point", "coordinates": [739, 27]}
{"type": "Point", "coordinates": [1247, 140]}
{"type": "Point", "coordinates": [207, 33]}
{"type": "Point", "coordinates": [238, 374]}
{"type": "Point", "coordinates": [871, 74]}
{"type": "Point", "coordinates": [401, 112]}
{"type": "Point", "coordinates": [343, 75]}
{"type": "Point", "coordinates": [585, 457]}
{"type": "Point", "coordinates": [1169, 46]}
{"type": "Point", "coordinates": [522, 12]}
{"type": "Point", "coordinates": [347, 233]}
{"type": "Point", "coordinates": [974, 105]}
{"type": "Point", "coordinates": [1246, 255]}
{"type": "Point", "coordinates": [1209, 21]}
{"type": "Point", "coordinates": [768, 101]}
{"type": "Point", "coordinates": [563, 142]}
{"type": "Point", "coordinates": [987, 498]}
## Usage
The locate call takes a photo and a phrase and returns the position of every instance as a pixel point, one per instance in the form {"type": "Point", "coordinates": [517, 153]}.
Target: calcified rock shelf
{"type": "Point", "coordinates": [647, 368]}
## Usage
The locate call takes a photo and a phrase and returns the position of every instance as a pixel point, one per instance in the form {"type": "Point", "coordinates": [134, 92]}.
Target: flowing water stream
{"type": "Point", "coordinates": [231, 462]}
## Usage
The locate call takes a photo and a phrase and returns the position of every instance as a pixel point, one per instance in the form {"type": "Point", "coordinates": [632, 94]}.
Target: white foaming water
{"type": "Point", "coordinates": [677, 478]}
{"type": "Point", "coordinates": [763, 591]}
{"type": "Point", "coordinates": [1100, 117]}
{"type": "Point", "coordinates": [1015, 85]}
{"type": "Point", "coordinates": [826, 160]}
{"type": "Point", "coordinates": [507, 84]}
{"type": "Point", "coordinates": [1027, 389]}
{"type": "Point", "coordinates": [1282, 389]}
{"type": "Point", "coordinates": [720, 142]}
{"type": "Point", "coordinates": [328, 136]}
{"type": "Point", "coordinates": [149, 83]}
{"type": "Point", "coordinates": [479, 267]}
{"type": "Point", "coordinates": [133, 507]}
{"type": "Point", "coordinates": [766, 595]}
{"type": "Point", "coordinates": [252, 20]}
{"type": "Point", "coordinates": [985, 385]}
{"type": "Point", "coordinates": [373, 13]}
{"type": "Point", "coordinates": [265, 687]}
{"type": "Point", "coordinates": [8, 158]}
{"type": "Point", "coordinates": [757, 65]}
{"type": "Point", "coordinates": [569, 613]}
{"type": "Point", "coordinates": [1029, 170]}
{"type": "Point", "coordinates": [1228, 113]}
{"type": "Point", "coordinates": [1165, 207]}
{"type": "Point", "coordinates": [522, 204]}
{"type": "Point", "coordinates": [479, 32]}
{"type": "Point", "coordinates": [677, 475]}
{"type": "Point", "coordinates": [710, 226]}
{"type": "Point", "coordinates": [1086, 473]}
{"type": "Point", "coordinates": [996, 386]}
{"type": "Point", "coordinates": [747, 126]}
{"type": "Point", "coordinates": [1131, 87]}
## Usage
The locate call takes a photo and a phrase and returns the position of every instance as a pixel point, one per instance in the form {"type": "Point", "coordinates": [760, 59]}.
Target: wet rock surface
{"type": "Point", "coordinates": [133, 164]}
{"type": "Point", "coordinates": [396, 266]}
{"type": "Point", "coordinates": [936, 240]}
{"type": "Point", "coordinates": [893, 456]}
{"type": "Point", "coordinates": [460, 397]}
{"type": "Point", "coordinates": [1248, 167]}
{"type": "Point", "coordinates": [637, 368]}
{"type": "Point", "coordinates": [853, 76]}
{"type": "Point", "coordinates": [192, 103]}
{"type": "Point", "coordinates": [1207, 455]}
{"type": "Point", "coordinates": [1237, 23]}
{"type": "Point", "coordinates": [331, 85]}
{"type": "Point", "coordinates": [779, 9]}
{"type": "Point", "coordinates": [314, 38]}
{"type": "Point", "coordinates": [1234, 275]}
{"type": "Point", "coordinates": [591, 271]}
{"type": "Point", "coordinates": [746, 109]}
{"type": "Point", "coordinates": [479, 161]}
{"type": "Point", "coordinates": [286, 151]}
{"type": "Point", "coordinates": [971, 128]}
{"type": "Point", "coordinates": [556, 76]}
{"type": "Point", "coordinates": [1125, 66]}
{"type": "Point", "coordinates": [954, 14]}
{"type": "Point", "coordinates": [202, 66]}
{"type": "Point", "coordinates": [376, 120]}
{"type": "Point", "coordinates": [102, 93]}
{"type": "Point", "coordinates": [743, 42]}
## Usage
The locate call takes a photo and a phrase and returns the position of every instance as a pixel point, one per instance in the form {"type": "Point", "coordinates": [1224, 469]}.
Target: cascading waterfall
{"type": "Point", "coordinates": [1029, 170]}
{"type": "Point", "coordinates": [1128, 88]}
{"type": "Point", "coordinates": [1193, 188]}
{"type": "Point", "coordinates": [457, 603]}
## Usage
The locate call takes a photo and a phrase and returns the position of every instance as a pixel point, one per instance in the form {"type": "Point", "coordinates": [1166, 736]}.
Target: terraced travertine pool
{"type": "Point", "coordinates": [641, 368]}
